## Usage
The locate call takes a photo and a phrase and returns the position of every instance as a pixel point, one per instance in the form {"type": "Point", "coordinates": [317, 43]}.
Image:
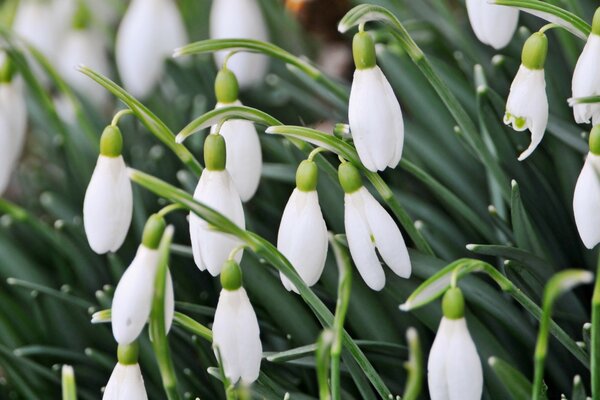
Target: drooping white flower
{"type": "Point", "coordinates": [132, 301]}
{"type": "Point", "coordinates": [454, 369]}
{"type": "Point", "coordinates": [493, 25]}
{"type": "Point", "coordinates": [148, 34]}
{"type": "Point", "coordinates": [302, 236]}
{"type": "Point", "coordinates": [13, 124]}
{"type": "Point", "coordinates": [125, 383]}
{"type": "Point", "coordinates": [108, 203]}
{"type": "Point", "coordinates": [527, 104]}
{"type": "Point", "coordinates": [236, 336]}
{"type": "Point", "coordinates": [84, 46]}
{"type": "Point", "coordinates": [240, 19]}
{"type": "Point", "coordinates": [374, 112]}
{"type": "Point", "coordinates": [586, 201]}
{"type": "Point", "coordinates": [216, 190]}
{"type": "Point", "coordinates": [244, 155]}
{"type": "Point", "coordinates": [370, 227]}
{"type": "Point", "coordinates": [586, 81]}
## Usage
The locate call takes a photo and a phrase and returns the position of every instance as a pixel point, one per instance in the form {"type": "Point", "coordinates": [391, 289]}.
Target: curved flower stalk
{"type": "Point", "coordinates": [241, 19]}
{"type": "Point", "coordinates": [374, 112]}
{"type": "Point", "coordinates": [369, 226]}
{"type": "Point", "coordinates": [527, 104]}
{"type": "Point", "coordinates": [215, 189]}
{"type": "Point", "coordinates": [586, 198]}
{"type": "Point", "coordinates": [149, 32]}
{"type": "Point", "coordinates": [454, 369]}
{"type": "Point", "coordinates": [132, 301]}
{"type": "Point", "coordinates": [493, 25]}
{"type": "Point", "coordinates": [108, 203]}
{"type": "Point", "coordinates": [302, 236]}
{"type": "Point", "coordinates": [126, 381]}
{"type": "Point", "coordinates": [586, 80]}
{"type": "Point", "coordinates": [13, 120]}
{"type": "Point", "coordinates": [236, 335]}
{"type": "Point", "coordinates": [244, 155]}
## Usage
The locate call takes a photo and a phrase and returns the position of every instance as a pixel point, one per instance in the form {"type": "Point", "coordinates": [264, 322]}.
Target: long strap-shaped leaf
{"type": "Point", "coordinates": [270, 253]}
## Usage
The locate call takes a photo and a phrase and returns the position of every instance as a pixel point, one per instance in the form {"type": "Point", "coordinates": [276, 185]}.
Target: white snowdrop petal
{"type": "Point", "coordinates": [463, 366]}
{"type": "Point", "coordinates": [436, 364]}
{"type": "Point", "coordinates": [196, 226]}
{"type": "Point", "coordinates": [125, 383]}
{"type": "Point", "coordinates": [362, 248]}
{"type": "Point", "coordinates": [132, 301]}
{"type": "Point", "coordinates": [388, 238]}
{"type": "Point", "coordinates": [169, 302]}
{"type": "Point", "coordinates": [13, 120]}
{"type": "Point", "coordinates": [240, 19]}
{"type": "Point", "coordinates": [248, 336]}
{"type": "Point", "coordinates": [586, 82]}
{"type": "Point", "coordinates": [492, 24]}
{"type": "Point", "coordinates": [586, 202]}
{"type": "Point", "coordinates": [225, 333]}
{"type": "Point", "coordinates": [6, 164]}
{"type": "Point", "coordinates": [108, 205]}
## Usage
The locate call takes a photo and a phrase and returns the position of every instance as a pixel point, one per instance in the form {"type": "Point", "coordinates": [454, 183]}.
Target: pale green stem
{"type": "Point", "coordinates": [322, 355]}
{"type": "Point", "coordinates": [119, 115]}
{"type": "Point", "coordinates": [169, 209]}
{"type": "Point", "coordinates": [547, 27]}
{"type": "Point", "coordinates": [414, 366]}
{"type": "Point", "coordinates": [316, 151]}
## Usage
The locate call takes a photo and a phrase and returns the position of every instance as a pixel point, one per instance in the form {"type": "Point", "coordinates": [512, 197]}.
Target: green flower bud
{"type": "Point", "coordinates": [535, 50]}
{"type": "Point", "coordinates": [307, 175]}
{"type": "Point", "coordinates": [595, 140]}
{"type": "Point", "coordinates": [453, 304]}
{"type": "Point", "coordinates": [215, 154]}
{"type": "Point", "coordinates": [231, 276]}
{"type": "Point", "coordinates": [596, 22]}
{"type": "Point", "coordinates": [7, 70]}
{"type": "Point", "coordinates": [128, 354]}
{"type": "Point", "coordinates": [226, 87]}
{"type": "Point", "coordinates": [363, 50]}
{"type": "Point", "coordinates": [153, 231]}
{"type": "Point", "coordinates": [349, 177]}
{"type": "Point", "coordinates": [111, 142]}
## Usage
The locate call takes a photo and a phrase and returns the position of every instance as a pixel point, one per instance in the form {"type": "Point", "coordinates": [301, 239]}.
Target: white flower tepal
{"type": "Point", "coordinates": [586, 80]}
{"type": "Point", "coordinates": [240, 19]}
{"type": "Point", "coordinates": [125, 383]}
{"type": "Point", "coordinates": [493, 25]}
{"type": "Point", "coordinates": [374, 112]}
{"type": "Point", "coordinates": [586, 199]}
{"type": "Point", "coordinates": [148, 34]}
{"type": "Point", "coordinates": [527, 104]}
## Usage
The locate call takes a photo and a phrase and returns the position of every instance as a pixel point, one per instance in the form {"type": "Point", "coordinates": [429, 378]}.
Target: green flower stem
{"type": "Point", "coordinates": [119, 115]}
{"type": "Point", "coordinates": [414, 366]}
{"type": "Point", "coordinates": [595, 337]}
{"type": "Point", "coordinates": [69, 389]}
{"type": "Point", "coordinates": [549, 26]}
{"type": "Point", "coordinates": [343, 300]}
{"type": "Point", "coordinates": [146, 117]}
{"type": "Point", "coordinates": [160, 343]}
{"type": "Point", "coordinates": [322, 356]}
{"type": "Point", "coordinates": [266, 250]}
{"type": "Point", "coordinates": [169, 209]}
{"type": "Point", "coordinates": [557, 285]}
{"type": "Point", "coordinates": [271, 50]}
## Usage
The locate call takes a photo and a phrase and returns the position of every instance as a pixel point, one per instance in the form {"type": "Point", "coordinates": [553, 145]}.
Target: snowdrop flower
{"type": "Point", "coordinates": [374, 112]}
{"type": "Point", "coordinates": [108, 203]}
{"type": "Point", "coordinates": [149, 32]}
{"type": "Point", "coordinates": [132, 301]}
{"type": "Point", "coordinates": [13, 120]}
{"type": "Point", "coordinates": [454, 369]}
{"type": "Point", "coordinates": [215, 189]}
{"type": "Point", "coordinates": [369, 226]}
{"type": "Point", "coordinates": [586, 199]}
{"type": "Point", "coordinates": [302, 236]}
{"type": "Point", "coordinates": [493, 25]}
{"type": "Point", "coordinates": [586, 80]}
{"type": "Point", "coordinates": [240, 19]}
{"type": "Point", "coordinates": [244, 155]}
{"type": "Point", "coordinates": [126, 381]}
{"type": "Point", "coordinates": [527, 104]}
{"type": "Point", "coordinates": [236, 335]}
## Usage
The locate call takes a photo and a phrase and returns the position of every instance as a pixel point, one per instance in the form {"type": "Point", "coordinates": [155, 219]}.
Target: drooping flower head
{"type": "Point", "coordinates": [374, 112]}
{"type": "Point", "coordinates": [236, 334]}
{"type": "Point", "coordinates": [244, 155]}
{"type": "Point", "coordinates": [108, 203]}
{"type": "Point", "coordinates": [493, 25]}
{"type": "Point", "coordinates": [215, 189]}
{"type": "Point", "coordinates": [586, 199]}
{"type": "Point", "coordinates": [586, 80]}
{"type": "Point", "coordinates": [527, 104]}
{"type": "Point", "coordinates": [454, 369]}
{"type": "Point", "coordinates": [126, 381]}
{"type": "Point", "coordinates": [370, 227]}
{"type": "Point", "coordinates": [302, 236]}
